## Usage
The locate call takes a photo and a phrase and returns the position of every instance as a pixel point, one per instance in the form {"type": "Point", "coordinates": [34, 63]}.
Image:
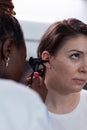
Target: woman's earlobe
{"type": "Point", "coordinates": [46, 56]}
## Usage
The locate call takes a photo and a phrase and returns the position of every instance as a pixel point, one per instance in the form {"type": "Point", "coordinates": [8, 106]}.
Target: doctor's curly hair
{"type": "Point", "coordinates": [7, 5]}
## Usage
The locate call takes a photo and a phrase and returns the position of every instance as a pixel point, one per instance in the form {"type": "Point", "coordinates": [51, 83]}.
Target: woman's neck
{"type": "Point", "coordinates": [60, 103]}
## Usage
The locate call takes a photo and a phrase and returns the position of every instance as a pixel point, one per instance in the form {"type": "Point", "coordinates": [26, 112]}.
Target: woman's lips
{"type": "Point", "coordinates": [80, 81]}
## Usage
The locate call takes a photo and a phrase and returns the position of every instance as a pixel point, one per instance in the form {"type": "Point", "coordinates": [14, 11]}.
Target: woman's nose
{"type": "Point", "coordinates": [83, 67]}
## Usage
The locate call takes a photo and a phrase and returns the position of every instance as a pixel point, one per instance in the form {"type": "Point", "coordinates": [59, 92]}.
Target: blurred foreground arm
{"type": "Point", "coordinates": [21, 108]}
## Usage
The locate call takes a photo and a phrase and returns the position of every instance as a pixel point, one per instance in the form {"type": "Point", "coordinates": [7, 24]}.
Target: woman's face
{"type": "Point", "coordinates": [67, 71]}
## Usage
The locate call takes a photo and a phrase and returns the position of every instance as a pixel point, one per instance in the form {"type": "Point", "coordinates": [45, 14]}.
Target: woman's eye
{"type": "Point", "coordinates": [75, 56]}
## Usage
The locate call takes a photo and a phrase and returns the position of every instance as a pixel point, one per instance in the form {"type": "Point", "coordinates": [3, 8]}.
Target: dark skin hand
{"type": "Point", "coordinates": [37, 82]}
{"type": "Point", "coordinates": [38, 85]}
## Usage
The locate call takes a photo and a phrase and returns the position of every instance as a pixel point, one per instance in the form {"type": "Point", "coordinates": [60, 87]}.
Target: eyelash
{"type": "Point", "coordinates": [75, 56]}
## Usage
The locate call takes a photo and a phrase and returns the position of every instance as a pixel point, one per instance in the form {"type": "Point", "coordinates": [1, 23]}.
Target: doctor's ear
{"type": "Point", "coordinates": [7, 48]}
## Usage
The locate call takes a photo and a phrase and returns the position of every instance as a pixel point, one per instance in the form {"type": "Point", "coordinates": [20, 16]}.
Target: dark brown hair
{"type": "Point", "coordinates": [58, 32]}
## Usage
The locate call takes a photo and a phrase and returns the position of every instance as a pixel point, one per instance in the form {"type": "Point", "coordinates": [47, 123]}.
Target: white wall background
{"type": "Point", "coordinates": [50, 10]}
{"type": "Point", "coordinates": [32, 33]}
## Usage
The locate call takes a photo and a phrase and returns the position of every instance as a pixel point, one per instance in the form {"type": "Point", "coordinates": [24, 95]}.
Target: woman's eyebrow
{"type": "Point", "coordinates": [74, 50]}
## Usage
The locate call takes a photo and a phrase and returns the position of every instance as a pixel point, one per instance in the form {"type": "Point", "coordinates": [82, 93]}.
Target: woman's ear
{"type": "Point", "coordinates": [7, 48]}
{"type": "Point", "coordinates": [46, 56]}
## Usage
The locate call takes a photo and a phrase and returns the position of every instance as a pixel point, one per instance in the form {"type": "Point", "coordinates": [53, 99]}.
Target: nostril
{"type": "Point", "coordinates": [83, 70]}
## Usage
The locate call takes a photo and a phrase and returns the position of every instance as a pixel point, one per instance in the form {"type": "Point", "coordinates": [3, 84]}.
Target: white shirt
{"type": "Point", "coordinates": [21, 108]}
{"type": "Point", "coordinates": [75, 120]}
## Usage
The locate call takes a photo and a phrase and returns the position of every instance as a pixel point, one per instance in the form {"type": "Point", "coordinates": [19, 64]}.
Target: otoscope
{"type": "Point", "coordinates": [35, 64]}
